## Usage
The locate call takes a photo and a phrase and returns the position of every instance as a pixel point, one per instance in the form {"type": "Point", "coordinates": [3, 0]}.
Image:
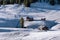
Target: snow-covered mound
{"type": "Point", "coordinates": [36, 24]}
{"type": "Point", "coordinates": [50, 35]}
{"type": "Point", "coordinates": [29, 34]}
{"type": "Point", "coordinates": [56, 27]}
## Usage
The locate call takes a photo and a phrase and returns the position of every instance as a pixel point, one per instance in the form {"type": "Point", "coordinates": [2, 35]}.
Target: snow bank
{"type": "Point", "coordinates": [56, 27]}
{"type": "Point", "coordinates": [50, 35]}
{"type": "Point", "coordinates": [29, 34]}
{"type": "Point", "coordinates": [45, 6]}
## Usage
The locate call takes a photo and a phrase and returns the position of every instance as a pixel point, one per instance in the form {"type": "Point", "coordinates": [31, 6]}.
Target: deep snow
{"type": "Point", "coordinates": [10, 16]}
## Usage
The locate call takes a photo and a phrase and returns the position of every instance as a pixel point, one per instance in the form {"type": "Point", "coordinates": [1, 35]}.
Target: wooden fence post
{"type": "Point", "coordinates": [22, 22]}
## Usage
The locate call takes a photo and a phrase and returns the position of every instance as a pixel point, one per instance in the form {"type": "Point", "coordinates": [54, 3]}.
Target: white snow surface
{"type": "Point", "coordinates": [9, 13]}
{"type": "Point", "coordinates": [29, 34]}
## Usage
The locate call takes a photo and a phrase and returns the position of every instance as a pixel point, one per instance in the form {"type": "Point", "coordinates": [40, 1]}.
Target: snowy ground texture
{"type": "Point", "coordinates": [10, 15]}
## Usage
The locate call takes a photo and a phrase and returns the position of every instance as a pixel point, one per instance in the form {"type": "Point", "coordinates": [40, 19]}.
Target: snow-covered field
{"type": "Point", "coordinates": [29, 34]}
{"type": "Point", "coordinates": [11, 14]}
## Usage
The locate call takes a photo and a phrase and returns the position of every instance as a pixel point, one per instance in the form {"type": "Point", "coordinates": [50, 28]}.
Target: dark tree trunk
{"type": "Point", "coordinates": [58, 1]}
{"type": "Point", "coordinates": [52, 2]}
{"type": "Point", "coordinates": [27, 3]}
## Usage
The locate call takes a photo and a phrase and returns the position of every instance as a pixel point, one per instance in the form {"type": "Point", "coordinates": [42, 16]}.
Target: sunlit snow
{"type": "Point", "coordinates": [10, 15]}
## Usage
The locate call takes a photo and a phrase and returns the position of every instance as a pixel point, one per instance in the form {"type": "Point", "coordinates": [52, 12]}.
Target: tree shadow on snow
{"type": "Point", "coordinates": [48, 7]}
{"type": "Point", "coordinates": [15, 23]}
{"type": "Point", "coordinates": [48, 23]}
{"type": "Point", "coordinates": [9, 23]}
{"type": "Point", "coordinates": [6, 30]}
